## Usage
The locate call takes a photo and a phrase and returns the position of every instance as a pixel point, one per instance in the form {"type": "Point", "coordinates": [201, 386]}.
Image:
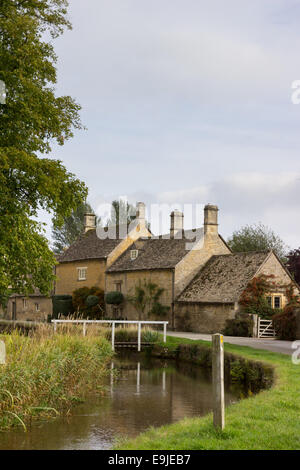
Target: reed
{"type": "Point", "coordinates": [47, 373]}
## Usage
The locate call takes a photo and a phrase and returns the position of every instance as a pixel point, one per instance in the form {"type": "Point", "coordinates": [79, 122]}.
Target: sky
{"type": "Point", "coordinates": [187, 102]}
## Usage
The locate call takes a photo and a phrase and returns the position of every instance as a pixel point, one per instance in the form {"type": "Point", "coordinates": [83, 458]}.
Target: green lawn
{"type": "Point", "coordinates": [268, 420]}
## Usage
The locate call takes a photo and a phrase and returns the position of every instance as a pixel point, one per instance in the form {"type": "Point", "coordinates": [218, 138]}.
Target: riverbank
{"type": "Point", "coordinates": [46, 374]}
{"type": "Point", "coordinates": [268, 420]}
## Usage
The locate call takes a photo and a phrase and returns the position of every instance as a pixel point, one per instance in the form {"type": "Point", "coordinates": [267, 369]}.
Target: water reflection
{"type": "Point", "coordinates": [140, 393]}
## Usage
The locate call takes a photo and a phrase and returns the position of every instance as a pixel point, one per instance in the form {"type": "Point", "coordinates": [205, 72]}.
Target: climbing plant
{"type": "Point", "coordinates": [146, 298]}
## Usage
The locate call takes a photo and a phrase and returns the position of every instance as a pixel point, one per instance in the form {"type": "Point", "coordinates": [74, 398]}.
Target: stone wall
{"type": "Point", "coordinates": [163, 278]}
{"type": "Point", "coordinates": [201, 317]}
{"type": "Point", "coordinates": [67, 276]}
{"type": "Point", "coordinates": [297, 313]}
{"type": "Point", "coordinates": [29, 312]}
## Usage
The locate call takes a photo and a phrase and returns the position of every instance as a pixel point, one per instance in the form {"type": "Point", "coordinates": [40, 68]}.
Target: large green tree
{"type": "Point", "coordinates": [257, 238]}
{"type": "Point", "coordinates": [31, 119]}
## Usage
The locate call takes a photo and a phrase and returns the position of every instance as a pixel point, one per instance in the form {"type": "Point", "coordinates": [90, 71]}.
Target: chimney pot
{"type": "Point", "coordinates": [211, 219]}
{"type": "Point", "coordinates": [89, 221]}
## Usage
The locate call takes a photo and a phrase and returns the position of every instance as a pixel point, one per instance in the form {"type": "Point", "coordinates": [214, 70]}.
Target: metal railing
{"type": "Point", "coordinates": [113, 324]}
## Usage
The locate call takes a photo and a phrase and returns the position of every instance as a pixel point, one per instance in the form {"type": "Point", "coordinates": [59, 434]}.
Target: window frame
{"type": "Point", "coordinates": [134, 254]}
{"type": "Point", "coordinates": [79, 275]}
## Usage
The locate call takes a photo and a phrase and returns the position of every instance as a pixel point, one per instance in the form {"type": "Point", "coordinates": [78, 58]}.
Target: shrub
{"type": "Point", "coordinates": [83, 307]}
{"type": "Point", "coordinates": [114, 298]}
{"type": "Point", "coordinates": [285, 325]}
{"type": "Point", "coordinates": [241, 325]}
{"type": "Point", "coordinates": [159, 310]}
{"type": "Point", "coordinates": [62, 305]}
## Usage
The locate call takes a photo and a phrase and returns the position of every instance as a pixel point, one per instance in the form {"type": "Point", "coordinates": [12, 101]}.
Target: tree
{"type": "Point", "coordinates": [257, 238]}
{"type": "Point", "coordinates": [293, 264]}
{"type": "Point", "coordinates": [72, 227]}
{"type": "Point", "coordinates": [88, 302]}
{"type": "Point", "coordinates": [122, 213]}
{"type": "Point", "coordinates": [31, 118]}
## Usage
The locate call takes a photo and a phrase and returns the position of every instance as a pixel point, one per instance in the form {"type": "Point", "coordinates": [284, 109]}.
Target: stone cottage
{"type": "Point", "coordinates": [213, 295]}
{"type": "Point", "coordinates": [34, 307]}
{"type": "Point", "coordinates": [85, 262]}
{"type": "Point", "coordinates": [169, 261]}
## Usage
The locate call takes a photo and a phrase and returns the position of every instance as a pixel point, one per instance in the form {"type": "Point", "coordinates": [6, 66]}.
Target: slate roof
{"type": "Point", "coordinates": [156, 253]}
{"type": "Point", "coordinates": [89, 246]}
{"type": "Point", "coordinates": [223, 278]}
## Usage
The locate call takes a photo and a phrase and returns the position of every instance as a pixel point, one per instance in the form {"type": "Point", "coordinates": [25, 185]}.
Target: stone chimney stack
{"type": "Point", "coordinates": [176, 227]}
{"type": "Point", "coordinates": [211, 219]}
{"type": "Point", "coordinates": [141, 213]}
{"type": "Point", "coordinates": [89, 221]}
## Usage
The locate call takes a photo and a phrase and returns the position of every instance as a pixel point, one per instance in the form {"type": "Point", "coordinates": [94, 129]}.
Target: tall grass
{"type": "Point", "coordinates": [46, 373]}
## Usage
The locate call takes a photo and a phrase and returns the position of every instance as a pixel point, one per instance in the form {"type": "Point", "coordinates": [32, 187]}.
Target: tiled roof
{"type": "Point", "coordinates": [156, 253]}
{"type": "Point", "coordinates": [223, 278]}
{"type": "Point", "coordinates": [89, 246]}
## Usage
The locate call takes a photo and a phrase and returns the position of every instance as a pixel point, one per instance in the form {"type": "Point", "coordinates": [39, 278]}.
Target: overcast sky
{"type": "Point", "coordinates": [187, 101]}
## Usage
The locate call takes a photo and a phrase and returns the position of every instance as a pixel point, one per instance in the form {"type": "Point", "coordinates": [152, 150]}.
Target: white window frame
{"type": "Point", "coordinates": [82, 273]}
{"type": "Point", "coordinates": [134, 254]}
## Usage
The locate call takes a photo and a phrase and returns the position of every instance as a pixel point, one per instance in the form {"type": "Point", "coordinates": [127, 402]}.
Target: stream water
{"type": "Point", "coordinates": [140, 392]}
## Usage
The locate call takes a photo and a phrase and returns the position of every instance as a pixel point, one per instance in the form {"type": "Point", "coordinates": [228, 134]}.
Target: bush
{"type": "Point", "coordinates": [62, 305]}
{"type": "Point", "coordinates": [82, 305]}
{"type": "Point", "coordinates": [285, 325]}
{"type": "Point", "coordinates": [91, 300]}
{"type": "Point", "coordinates": [241, 325]}
{"type": "Point", "coordinates": [114, 298]}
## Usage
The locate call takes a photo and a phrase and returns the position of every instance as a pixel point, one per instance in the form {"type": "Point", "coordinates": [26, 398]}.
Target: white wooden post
{"type": "Point", "coordinates": [139, 336]}
{"type": "Point", "coordinates": [218, 380]}
{"type": "Point", "coordinates": [113, 336]}
{"type": "Point", "coordinates": [55, 326]}
{"type": "Point", "coordinates": [2, 353]}
{"type": "Point", "coordinates": [84, 329]}
{"type": "Point", "coordinates": [165, 332]}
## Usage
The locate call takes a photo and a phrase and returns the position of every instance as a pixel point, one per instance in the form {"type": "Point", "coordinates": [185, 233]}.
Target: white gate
{"type": "Point", "coordinates": [265, 329]}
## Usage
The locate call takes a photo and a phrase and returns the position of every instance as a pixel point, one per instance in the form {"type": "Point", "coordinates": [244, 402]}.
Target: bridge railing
{"type": "Point", "coordinates": [113, 323]}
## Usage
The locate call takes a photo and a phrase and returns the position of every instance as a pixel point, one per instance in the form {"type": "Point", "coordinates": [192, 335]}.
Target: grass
{"type": "Point", "coordinates": [46, 374]}
{"type": "Point", "coordinates": [268, 420]}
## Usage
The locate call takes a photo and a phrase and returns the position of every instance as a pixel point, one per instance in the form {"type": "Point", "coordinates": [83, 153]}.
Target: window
{"type": "Point", "coordinates": [133, 254]}
{"type": "Point", "coordinates": [118, 286]}
{"type": "Point", "coordinates": [37, 307]}
{"type": "Point", "coordinates": [277, 302]}
{"type": "Point", "coordinates": [24, 304]}
{"type": "Point", "coordinates": [81, 274]}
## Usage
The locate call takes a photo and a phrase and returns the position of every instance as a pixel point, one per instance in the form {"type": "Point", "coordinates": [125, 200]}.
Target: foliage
{"type": "Point", "coordinates": [62, 305]}
{"type": "Point", "coordinates": [81, 304]}
{"type": "Point", "coordinates": [114, 298]}
{"type": "Point", "coordinates": [72, 227]}
{"type": "Point", "coordinates": [46, 374]}
{"type": "Point", "coordinates": [257, 238]}
{"type": "Point", "coordinates": [241, 325]}
{"type": "Point", "coordinates": [293, 264]}
{"type": "Point", "coordinates": [146, 299]}
{"type": "Point", "coordinates": [253, 299]}
{"type": "Point", "coordinates": [130, 334]}
{"type": "Point", "coordinates": [285, 322]}
{"type": "Point", "coordinates": [30, 119]}
{"type": "Point", "coordinates": [122, 213]}
{"type": "Point", "coordinates": [91, 300]}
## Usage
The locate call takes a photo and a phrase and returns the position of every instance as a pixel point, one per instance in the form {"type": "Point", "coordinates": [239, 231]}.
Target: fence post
{"type": "Point", "coordinates": [113, 336]}
{"type": "Point", "coordinates": [55, 326]}
{"type": "Point", "coordinates": [2, 353]}
{"type": "Point", "coordinates": [84, 329]}
{"type": "Point", "coordinates": [255, 325]}
{"type": "Point", "coordinates": [218, 381]}
{"type": "Point", "coordinates": [139, 336]}
{"type": "Point", "coordinates": [165, 332]}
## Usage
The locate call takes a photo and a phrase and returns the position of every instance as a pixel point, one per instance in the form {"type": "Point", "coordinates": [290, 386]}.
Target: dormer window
{"type": "Point", "coordinates": [134, 254]}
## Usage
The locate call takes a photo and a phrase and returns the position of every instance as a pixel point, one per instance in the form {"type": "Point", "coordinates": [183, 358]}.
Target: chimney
{"type": "Point", "coordinates": [211, 219]}
{"type": "Point", "coordinates": [141, 212]}
{"type": "Point", "coordinates": [89, 221]}
{"type": "Point", "coordinates": [176, 228]}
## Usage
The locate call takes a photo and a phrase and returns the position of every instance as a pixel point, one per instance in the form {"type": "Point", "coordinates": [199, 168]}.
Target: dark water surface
{"type": "Point", "coordinates": [145, 392]}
